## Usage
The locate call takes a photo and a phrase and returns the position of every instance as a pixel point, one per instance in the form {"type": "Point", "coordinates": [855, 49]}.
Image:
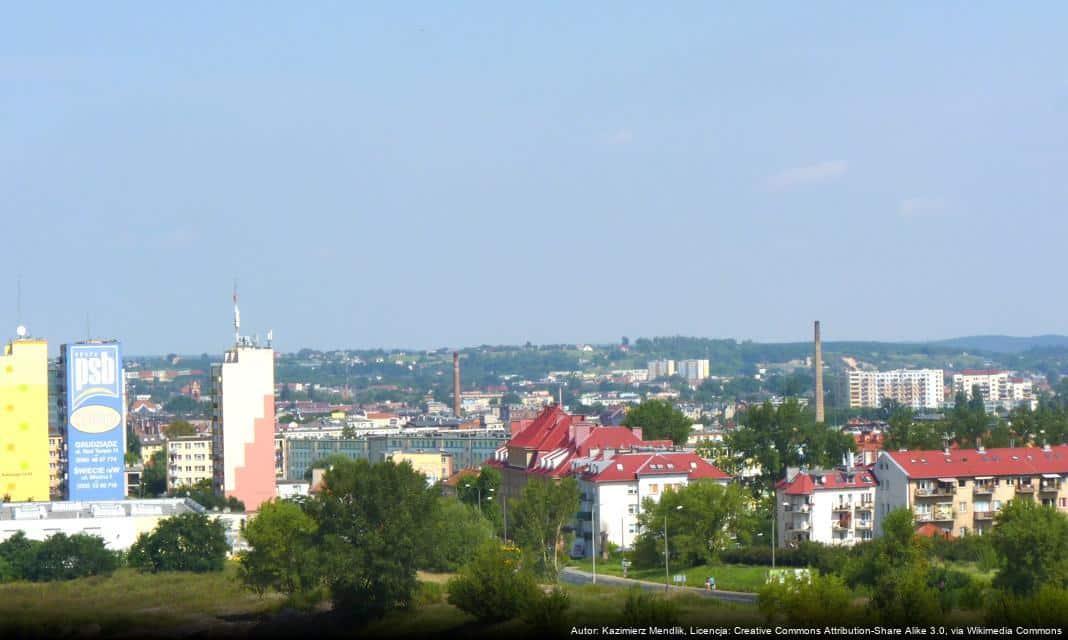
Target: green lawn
{"type": "Point", "coordinates": [729, 577]}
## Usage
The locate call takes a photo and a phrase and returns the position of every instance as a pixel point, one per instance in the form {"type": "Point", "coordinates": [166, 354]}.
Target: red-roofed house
{"type": "Point", "coordinates": [551, 445]}
{"type": "Point", "coordinates": [830, 506]}
{"type": "Point", "coordinates": [961, 490]}
{"type": "Point", "coordinates": [613, 490]}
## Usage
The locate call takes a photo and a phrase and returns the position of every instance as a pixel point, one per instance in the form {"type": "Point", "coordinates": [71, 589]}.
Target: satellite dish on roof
{"type": "Point", "coordinates": [20, 331]}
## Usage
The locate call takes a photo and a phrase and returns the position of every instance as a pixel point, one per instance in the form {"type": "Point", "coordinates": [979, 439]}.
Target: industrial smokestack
{"type": "Point", "coordinates": [456, 383]}
{"type": "Point", "coordinates": [818, 364]}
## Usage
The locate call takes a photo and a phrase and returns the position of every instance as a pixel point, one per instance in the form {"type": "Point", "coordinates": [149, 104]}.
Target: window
{"type": "Point", "coordinates": [960, 482]}
{"type": "Point", "coordinates": [964, 507]}
{"type": "Point", "coordinates": [963, 531]}
{"type": "Point", "coordinates": [632, 509]}
{"type": "Point", "coordinates": [654, 488]}
{"type": "Point", "coordinates": [632, 491]}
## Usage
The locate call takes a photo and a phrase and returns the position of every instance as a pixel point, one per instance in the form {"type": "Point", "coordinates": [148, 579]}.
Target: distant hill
{"type": "Point", "coordinates": [1003, 344]}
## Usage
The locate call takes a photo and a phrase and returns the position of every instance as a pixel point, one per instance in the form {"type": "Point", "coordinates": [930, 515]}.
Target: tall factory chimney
{"type": "Point", "coordinates": [456, 383]}
{"type": "Point", "coordinates": [818, 365]}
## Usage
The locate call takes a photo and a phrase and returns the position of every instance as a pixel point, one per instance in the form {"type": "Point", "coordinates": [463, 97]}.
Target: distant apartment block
{"type": "Point", "coordinates": [998, 388]}
{"type": "Point", "coordinates": [916, 388]}
{"type": "Point", "coordinates": [435, 466]}
{"type": "Point", "coordinates": [660, 369]}
{"type": "Point", "coordinates": [959, 492]}
{"type": "Point", "coordinates": [189, 460]}
{"type": "Point", "coordinates": [835, 506]}
{"type": "Point", "coordinates": [693, 370]}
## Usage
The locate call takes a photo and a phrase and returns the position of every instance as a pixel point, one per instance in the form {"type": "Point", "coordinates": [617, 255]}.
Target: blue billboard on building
{"type": "Point", "coordinates": [96, 435]}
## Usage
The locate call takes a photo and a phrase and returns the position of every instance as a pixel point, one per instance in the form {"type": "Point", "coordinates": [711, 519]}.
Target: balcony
{"type": "Point", "coordinates": [841, 525]}
{"type": "Point", "coordinates": [935, 492]}
{"type": "Point", "coordinates": [1025, 488]}
{"type": "Point", "coordinates": [942, 515]}
{"type": "Point", "coordinates": [865, 506]}
{"type": "Point", "coordinates": [1049, 487]}
{"type": "Point", "coordinates": [863, 524]}
{"type": "Point", "coordinates": [983, 489]}
{"type": "Point", "coordinates": [984, 515]}
{"type": "Point", "coordinates": [842, 507]}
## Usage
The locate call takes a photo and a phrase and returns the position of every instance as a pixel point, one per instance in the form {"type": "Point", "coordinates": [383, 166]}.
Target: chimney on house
{"type": "Point", "coordinates": [818, 365]}
{"type": "Point", "coordinates": [456, 383]}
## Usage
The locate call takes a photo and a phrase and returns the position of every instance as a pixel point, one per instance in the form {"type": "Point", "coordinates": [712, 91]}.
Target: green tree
{"type": "Point", "coordinates": [133, 442]}
{"type": "Point", "coordinates": [494, 586]}
{"type": "Point", "coordinates": [18, 553]}
{"type": "Point", "coordinates": [540, 516]}
{"type": "Point", "coordinates": [700, 519]}
{"type": "Point", "coordinates": [483, 492]}
{"type": "Point", "coordinates": [659, 421]}
{"type": "Point", "coordinates": [63, 557]}
{"type": "Point", "coordinates": [458, 531]}
{"type": "Point", "coordinates": [154, 477]}
{"type": "Point", "coordinates": [185, 542]}
{"type": "Point", "coordinates": [203, 493]}
{"type": "Point", "coordinates": [374, 524]}
{"type": "Point", "coordinates": [1030, 540]}
{"type": "Point", "coordinates": [282, 555]}
{"type": "Point", "coordinates": [179, 428]}
{"type": "Point", "coordinates": [778, 437]}
{"type": "Point", "coordinates": [182, 405]}
{"type": "Point", "coordinates": [546, 612]}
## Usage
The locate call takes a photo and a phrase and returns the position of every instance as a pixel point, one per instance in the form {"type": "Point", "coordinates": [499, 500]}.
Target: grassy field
{"type": "Point", "coordinates": [129, 600]}
{"type": "Point", "coordinates": [130, 604]}
{"type": "Point", "coordinates": [729, 577]}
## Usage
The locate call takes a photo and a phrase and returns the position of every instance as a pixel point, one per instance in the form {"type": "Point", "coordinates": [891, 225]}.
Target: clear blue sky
{"type": "Point", "coordinates": [447, 174]}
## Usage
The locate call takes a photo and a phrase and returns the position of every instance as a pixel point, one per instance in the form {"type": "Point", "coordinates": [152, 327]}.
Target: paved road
{"type": "Point", "coordinates": [574, 576]}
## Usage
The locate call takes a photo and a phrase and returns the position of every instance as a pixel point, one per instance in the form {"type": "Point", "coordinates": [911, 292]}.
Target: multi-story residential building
{"type": "Point", "coordinates": [999, 389]}
{"type": "Point", "coordinates": [960, 491]}
{"type": "Point", "coordinates": [465, 447]}
{"type": "Point", "coordinates": [834, 506]}
{"type": "Point", "coordinates": [660, 369]}
{"type": "Point", "coordinates": [555, 444]}
{"type": "Point", "coordinates": [57, 466]}
{"type": "Point", "coordinates": [693, 370]}
{"type": "Point", "coordinates": [189, 460]}
{"type": "Point", "coordinates": [24, 460]}
{"type": "Point", "coordinates": [435, 466]}
{"type": "Point", "coordinates": [916, 388]}
{"type": "Point", "coordinates": [243, 422]}
{"type": "Point", "coordinates": [613, 491]}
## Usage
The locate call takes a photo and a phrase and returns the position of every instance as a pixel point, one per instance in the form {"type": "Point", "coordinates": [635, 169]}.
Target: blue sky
{"type": "Point", "coordinates": [444, 174]}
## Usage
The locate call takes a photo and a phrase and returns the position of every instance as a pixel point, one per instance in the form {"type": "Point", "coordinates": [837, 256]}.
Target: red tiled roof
{"type": "Point", "coordinates": [931, 530]}
{"type": "Point", "coordinates": [548, 431]}
{"type": "Point", "coordinates": [805, 483]}
{"type": "Point", "coordinates": [609, 438]}
{"type": "Point", "coordinates": [961, 463]}
{"type": "Point", "coordinates": [627, 467]}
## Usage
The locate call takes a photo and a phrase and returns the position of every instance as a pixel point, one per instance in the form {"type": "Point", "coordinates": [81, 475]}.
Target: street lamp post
{"type": "Point", "coordinates": [593, 539]}
{"type": "Point", "coordinates": [667, 573]}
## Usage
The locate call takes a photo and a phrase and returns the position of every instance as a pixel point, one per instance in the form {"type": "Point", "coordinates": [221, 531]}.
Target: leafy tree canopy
{"type": "Point", "coordinates": [659, 420]}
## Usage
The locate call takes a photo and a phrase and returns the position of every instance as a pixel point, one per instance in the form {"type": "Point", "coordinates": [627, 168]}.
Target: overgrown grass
{"type": "Point", "coordinates": [128, 600]}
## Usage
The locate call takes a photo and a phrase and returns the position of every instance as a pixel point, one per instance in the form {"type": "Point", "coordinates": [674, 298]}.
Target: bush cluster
{"type": "Point", "coordinates": [60, 557]}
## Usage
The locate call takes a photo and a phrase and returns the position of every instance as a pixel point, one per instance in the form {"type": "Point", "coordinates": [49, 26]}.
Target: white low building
{"type": "Point", "coordinates": [613, 491]}
{"type": "Point", "coordinates": [118, 522]}
{"type": "Point", "coordinates": [830, 506]}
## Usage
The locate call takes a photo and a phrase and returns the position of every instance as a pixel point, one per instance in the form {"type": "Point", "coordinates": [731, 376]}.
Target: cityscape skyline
{"type": "Point", "coordinates": [382, 176]}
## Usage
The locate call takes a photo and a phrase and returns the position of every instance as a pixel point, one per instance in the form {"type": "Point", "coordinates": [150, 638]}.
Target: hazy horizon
{"type": "Point", "coordinates": [467, 174]}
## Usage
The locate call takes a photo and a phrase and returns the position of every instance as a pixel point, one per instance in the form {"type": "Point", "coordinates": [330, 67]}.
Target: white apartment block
{"type": "Point", "coordinates": [660, 369]}
{"type": "Point", "coordinates": [834, 507]}
{"type": "Point", "coordinates": [693, 370]}
{"type": "Point", "coordinates": [916, 388]}
{"type": "Point", "coordinates": [998, 388]}
{"type": "Point", "coordinates": [189, 460]}
{"type": "Point", "coordinates": [613, 491]}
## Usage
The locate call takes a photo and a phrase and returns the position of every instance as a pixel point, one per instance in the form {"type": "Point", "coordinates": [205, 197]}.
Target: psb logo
{"type": "Point", "coordinates": [95, 368]}
{"type": "Point", "coordinates": [95, 375]}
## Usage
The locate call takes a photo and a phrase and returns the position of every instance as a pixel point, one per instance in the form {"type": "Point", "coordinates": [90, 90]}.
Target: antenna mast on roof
{"type": "Point", "coordinates": [237, 317]}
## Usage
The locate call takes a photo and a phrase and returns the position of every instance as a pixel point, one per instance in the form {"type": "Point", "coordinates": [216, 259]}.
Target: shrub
{"type": "Point", "coordinates": [494, 585]}
{"type": "Point", "coordinates": [186, 542]}
{"type": "Point", "coordinates": [283, 555]}
{"type": "Point", "coordinates": [1048, 607]}
{"type": "Point", "coordinates": [822, 600]}
{"type": "Point", "coordinates": [546, 612]}
{"type": "Point", "coordinates": [644, 610]}
{"type": "Point", "coordinates": [429, 593]}
{"type": "Point", "coordinates": [63, 557]}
